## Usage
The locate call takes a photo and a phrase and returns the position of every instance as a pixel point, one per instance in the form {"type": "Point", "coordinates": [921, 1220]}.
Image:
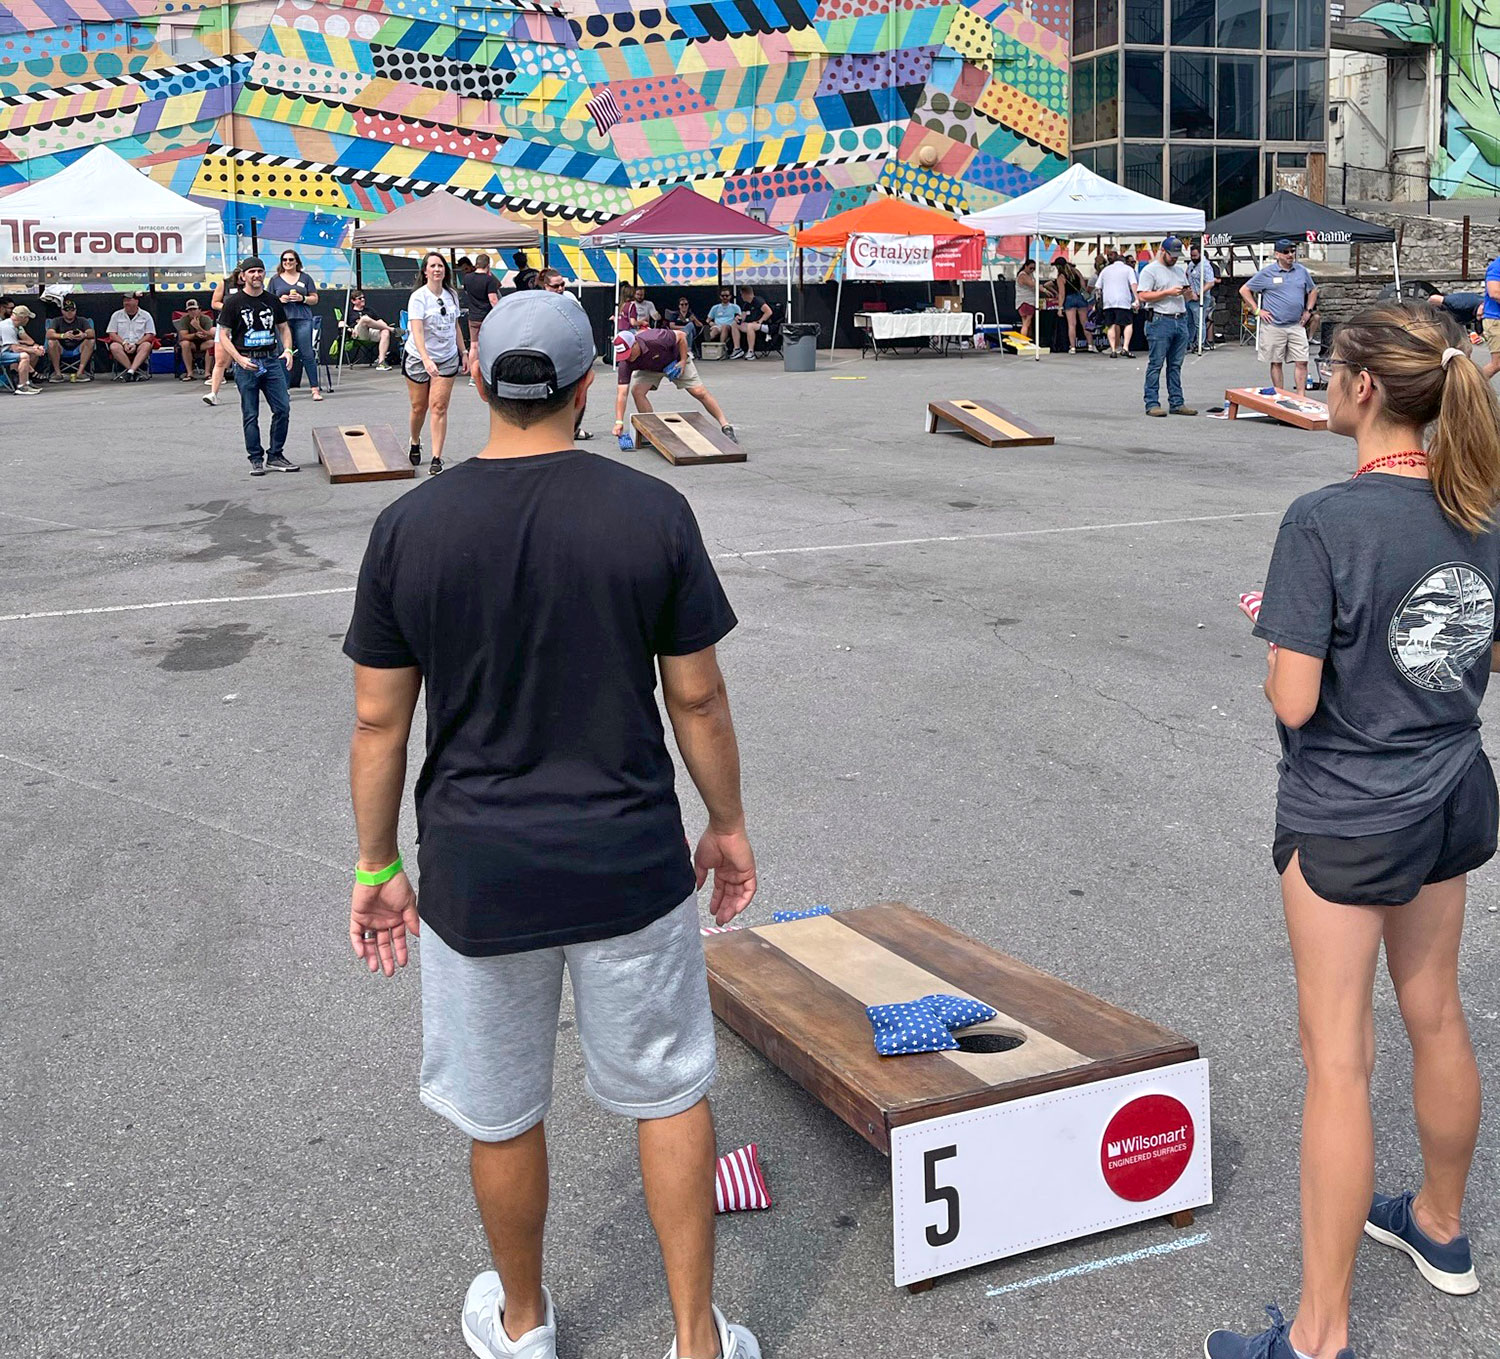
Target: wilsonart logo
{"type": "Point", "coordinates": [1146, 1147]}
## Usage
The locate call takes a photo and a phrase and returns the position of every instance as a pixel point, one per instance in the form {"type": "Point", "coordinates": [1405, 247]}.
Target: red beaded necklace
{"type": "Point", "coordinates": [1414, 457]}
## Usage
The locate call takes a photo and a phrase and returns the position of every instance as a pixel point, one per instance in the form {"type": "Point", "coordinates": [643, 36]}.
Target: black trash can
{"type": "Point", "coordinates": [799, 346]}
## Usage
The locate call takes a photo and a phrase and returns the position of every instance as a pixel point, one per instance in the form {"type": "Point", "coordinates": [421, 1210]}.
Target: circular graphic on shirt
{"type": "Point", "coordinates": [1444, 625]}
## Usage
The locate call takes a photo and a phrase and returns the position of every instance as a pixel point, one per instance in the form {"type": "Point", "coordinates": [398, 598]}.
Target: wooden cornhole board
{"type": "Point", "coordinates": [1094, 1119]}
{"type": "Point", "coordinates": [362, 453]}
{"type": "Point", "coordinates": [991, 425]}
{"type": "Point", "coordinates": [687, 437]}
{"type": "Point", "coordinates": [1017, 343]}
{"type": "Point", "coordinates": [1287, 407]}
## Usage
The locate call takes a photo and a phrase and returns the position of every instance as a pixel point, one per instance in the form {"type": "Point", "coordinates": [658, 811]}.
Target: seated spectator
{"type": "Point", "coordinates": [13, 350]}
{"type": "Point", "coordinates": [646, 313]}
{"type": "Point", "coordinates": [684, 319]}
{"type": "Point", "coordinates": [22, 316]}
{"type": "Point", "coordinates": [195, 336]}
{"type": "Point", "coordinates": [131, 337]}
{"type": "Point", "coordinates": [754, 319]}
{"type": "Point", "coordinates": [721, 319]}
{"type": "Point", "coordinates": [368, 328]}
{"type": "Point", "coordinates": [71, 337]}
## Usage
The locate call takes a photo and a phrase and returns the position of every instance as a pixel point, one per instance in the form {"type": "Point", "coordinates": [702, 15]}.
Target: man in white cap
{"type": "Point", "coordinates": [537, 591]}
{"type": "Point", "coordinates": [643, 358]}
{"type": "Point", "coordinates": [16, 347]}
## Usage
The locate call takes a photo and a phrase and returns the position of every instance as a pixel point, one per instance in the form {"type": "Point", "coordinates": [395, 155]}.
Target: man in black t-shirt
{"type": "Point", "coordinates": [258, 342]}
{"type": "Point", "coordinates": [536, 592]}
{"type": "Point", "coordinates": [754, 319]}
{"type": "Point", "coordinates": [481, 292]}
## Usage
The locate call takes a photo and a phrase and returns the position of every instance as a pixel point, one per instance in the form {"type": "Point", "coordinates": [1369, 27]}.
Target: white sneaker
{"type": "Point", "coordinates": [209, 399]}
{"type": "Point", "coordinates": [735, 1342]}
{"type": "Point", "coordinates": [486, 1335]}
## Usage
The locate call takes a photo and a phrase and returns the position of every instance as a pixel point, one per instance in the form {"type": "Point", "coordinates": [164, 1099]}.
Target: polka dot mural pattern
{"type": "Point", "coordinates": [419, 68]}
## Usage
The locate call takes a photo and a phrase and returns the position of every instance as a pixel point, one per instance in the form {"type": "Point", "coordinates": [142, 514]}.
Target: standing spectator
{"type": "Point", "coordinates": [1380, 608]}
{"type": "Point", "coordinates": [294, 290]}
{"type": "Point", "coordinates": [1027, 297]}
{"type": "Point", "coordinates": [1117, 296]}
{"type": "Point", "coordinates": [1490, 315]}
{"type": "Point", "coordinates": [1072, 301]}
{"type": "Point", "coordinates": [14, 351]}
{"type": "Point", "coordinates": [370, 329]}
{"type": "Point", "coordinates": [721, 318]}
{"type": "Point", "coordinates": [1283, 297]}
{"type": "Point", "coordinates": [195, 336]}
{"type": "Point", "coordinates": [481, 293]}
{"type": "Point", "coordinates": [131, 337]}
{"type": "Point", "coordinates": [71, 337]}
{"type": "Point", "coordinates": [435, 355]}
{"type": "Point", "coordinates": [534, 596]}
{"type": "Point", "coordinates": [1200, 309]}
{"type": "Point", "coordinates": [250, 324]}
{"type": "Point", "coordinates": [553, 282]}
{"type": "Point", "coordinates": [754, 319]}
{"type": "Point", "coordinates": [523, 277]}
{"type": "Point", "coordinates": [685, 319]}
{"type": "Point", "coordinates": [646, 357]}
{"type": "Point", "coordinates": [223, 291]}
{"type": "Point", "coordinates": [1163, 287]}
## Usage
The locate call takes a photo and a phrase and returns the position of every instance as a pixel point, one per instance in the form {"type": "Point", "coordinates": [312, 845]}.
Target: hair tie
{"type": "Point", "coordinates": [1450, 354]}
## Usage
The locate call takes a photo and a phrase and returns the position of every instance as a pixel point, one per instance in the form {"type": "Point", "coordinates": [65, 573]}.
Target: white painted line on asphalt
{"type": "Point", "coordinates": [206, 822]}
{"type": "Point", "coordinates": [173, 604]}
{"type": "Point", "coordinates": [1094, 1266]}
{"type": "Point", "coordinates": [1005, 533]}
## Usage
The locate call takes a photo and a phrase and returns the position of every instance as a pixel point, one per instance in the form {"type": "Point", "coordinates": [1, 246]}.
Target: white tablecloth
{"type": "Point", "coordinates": [884, 325]}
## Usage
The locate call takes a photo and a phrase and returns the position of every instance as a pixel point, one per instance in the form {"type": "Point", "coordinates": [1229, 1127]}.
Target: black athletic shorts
{"type": "Point", "coordinates": [1116, 316]}
{"type": "Point", "coordinates": [1390, 869]}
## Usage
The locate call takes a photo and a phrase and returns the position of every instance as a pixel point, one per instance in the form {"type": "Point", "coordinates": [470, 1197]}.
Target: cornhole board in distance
{"type": "Point", "coordinates": [687, 437]}
{"type": "Point", "coordinates": [362, 453]}
{"type": "Point", "coordinates": [1016, 343]}
{"type": "Point", "coordinates": [991, 425]}
{"type": "Point", "coordinates": [1061, 1117]}
{"type": "Point", "coordinates": [1287, 407]}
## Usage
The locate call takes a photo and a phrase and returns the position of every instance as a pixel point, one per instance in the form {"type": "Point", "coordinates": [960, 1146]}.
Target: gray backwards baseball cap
{"type": "Point", "coordinates": [545, 325]}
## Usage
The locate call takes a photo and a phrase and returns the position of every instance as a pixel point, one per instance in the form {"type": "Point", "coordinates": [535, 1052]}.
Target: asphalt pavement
{"type": "Point", "coordinates": [1008, 687]}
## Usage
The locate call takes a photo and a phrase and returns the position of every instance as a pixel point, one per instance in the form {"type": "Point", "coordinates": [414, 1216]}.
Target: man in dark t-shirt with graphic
{"type": "Point", "coordinates": [754, 319]}
{"type": "Point", "coordinates": [642, 359]}
{"type": "Point", "coordinates": [537, 592]}
{"type": "Point", "coordinates": [481, 293]}
{"type": "Point", "coordinates": [258, 342]}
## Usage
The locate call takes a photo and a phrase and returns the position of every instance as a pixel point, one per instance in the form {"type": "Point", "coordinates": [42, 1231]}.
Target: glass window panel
{"type": "Point", "coordinates": [1107, 28]}
{"type": "Point", "coordinates": [1192, 96]}
{"type": "Point", "coordinates": [1105, 163]}
{"type": "Point", "coordinates": [1310, 31]}
{"type": "Point", "coordinates": [1281, 96]}
{"type": "Point", "coordinates": [1107, 96]}
{"type": "Point", "coordinates": [1192, 23]}
{"type": "Point", "coordinates": [1236, 176]}
{"type": "Point", "coordinates": [1281, 24]}
{"type": "Point", "coordinates": [1239, 23]}
{"type": "Point", "coordinates": [1193, 177]}
{"type": "Point", "coordinates": [1239, 99]}
{"type": "Point", "coordinates": [1143, 93]}
{"type": "Point", "coordinates": [1143, 168]}
{"type": "Point", "coordinates": [1084, 157]}
{"type": "Point", "coordinates": [1083, 101]}
{"type": "Point", "coordinates": [1312, 102]}
{"type": "Point", "coordinates": [1292, 160]}
{"type": "Point", "coordinates": [1143, 21]}
{"type": "Point", "coordinates": [1083, 26]}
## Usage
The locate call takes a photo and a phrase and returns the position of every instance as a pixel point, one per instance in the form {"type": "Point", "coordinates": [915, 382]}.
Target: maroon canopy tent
{"type": "Point", "coordinates": [683, 220]}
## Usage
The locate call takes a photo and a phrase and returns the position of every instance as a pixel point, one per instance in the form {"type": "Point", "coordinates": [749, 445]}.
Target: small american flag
{"type": "Point", "coordinates": [739, 1183]}
{"type": "Point", "coordinates": [605, 112]}
{"type": "Point", "coordinates": [1250, 603]}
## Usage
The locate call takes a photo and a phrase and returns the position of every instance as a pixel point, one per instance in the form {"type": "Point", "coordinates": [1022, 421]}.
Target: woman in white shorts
{"type": "Point", "coordinates": [434, 355]}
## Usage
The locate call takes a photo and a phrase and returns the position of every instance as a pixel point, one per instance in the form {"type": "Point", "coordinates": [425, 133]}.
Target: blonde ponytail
{"type": "Point", "coordinates": [1405, 349]}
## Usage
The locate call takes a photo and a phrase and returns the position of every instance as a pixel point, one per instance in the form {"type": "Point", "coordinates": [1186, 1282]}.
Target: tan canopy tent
{"type": "Point", "coordinates": [442, 221]}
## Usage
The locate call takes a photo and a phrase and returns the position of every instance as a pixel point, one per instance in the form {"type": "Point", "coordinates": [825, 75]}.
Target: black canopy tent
{"type": "Point", "coordinates": [1284, 213]}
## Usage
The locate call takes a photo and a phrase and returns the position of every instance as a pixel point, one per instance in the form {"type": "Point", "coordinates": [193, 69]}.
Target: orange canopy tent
{"type": "Point", "coordinates": [882, 216]}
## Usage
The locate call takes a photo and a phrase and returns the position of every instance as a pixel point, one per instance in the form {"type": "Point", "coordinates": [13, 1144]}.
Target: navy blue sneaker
{"type": "Point", "coordinates": [1447, 1267]}
{"type": "Point", "coordinates": [1272, 1343]}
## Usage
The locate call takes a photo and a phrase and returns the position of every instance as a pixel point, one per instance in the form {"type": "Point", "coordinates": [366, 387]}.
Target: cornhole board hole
{"type": "Point", "coordinates": [362, 453]}
{"type": "Point", "coordinates": [991, 425]}
{"type": "Point", "coordinates": [687, 437]}
{"type": "Point", "coordinates": [1061, 1117]}
{"type": "Point", "coordinates": [1287, 407]}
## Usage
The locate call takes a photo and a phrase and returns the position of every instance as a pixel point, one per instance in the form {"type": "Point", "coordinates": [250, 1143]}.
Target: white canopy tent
{"type": "Point", "coordinates": [102, 213]}
{"type": "Point", "coordinates": [1080, 203]}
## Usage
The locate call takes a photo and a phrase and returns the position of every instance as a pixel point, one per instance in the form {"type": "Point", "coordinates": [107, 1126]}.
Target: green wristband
{"type": "Point", "coordinates": [380, 875]}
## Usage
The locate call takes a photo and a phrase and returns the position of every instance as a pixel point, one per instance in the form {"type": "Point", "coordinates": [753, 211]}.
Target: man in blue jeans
{"type": "Point", "coordinates": [1163, 287]}
{"type": "Point", "coordinates": [250, 324]}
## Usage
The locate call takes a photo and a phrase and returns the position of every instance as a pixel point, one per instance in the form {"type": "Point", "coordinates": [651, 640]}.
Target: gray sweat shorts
{"type": "Point", "coordinates": [489, 1026]}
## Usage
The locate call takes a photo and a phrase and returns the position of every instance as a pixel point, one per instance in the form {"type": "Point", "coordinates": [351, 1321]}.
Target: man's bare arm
{"type": "Point", "coordinates": [384, 701]}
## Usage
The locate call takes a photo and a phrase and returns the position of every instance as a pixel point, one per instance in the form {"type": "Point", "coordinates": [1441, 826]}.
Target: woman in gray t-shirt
{"type": "Point", "coordinates": [436, 352]}
{"type": "Point", "coordinates": [1380, 608]}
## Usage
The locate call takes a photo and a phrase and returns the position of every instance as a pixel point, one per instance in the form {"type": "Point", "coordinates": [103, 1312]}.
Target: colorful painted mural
{"type": "Point", "coordinates": [1467, 34]}
{"type": "Point", "coordinates": [298, 115]}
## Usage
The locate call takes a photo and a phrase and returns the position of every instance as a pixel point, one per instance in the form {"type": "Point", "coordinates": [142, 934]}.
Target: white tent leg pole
{"type": "Point", "coordinates": [614, 325]}
{"type": "Point", "coordinates": [1396, 265]}
{"type": "Point", "coordinates": [838, 301]}
{"type": "Point", "coordinates": [994, 299]}
{"type": "Point", "coordinates": [1202, 258]}
{"type": "Point", "coordinates": [789, 285]}
{"type": "Point", "coordinates": [1036, 317]}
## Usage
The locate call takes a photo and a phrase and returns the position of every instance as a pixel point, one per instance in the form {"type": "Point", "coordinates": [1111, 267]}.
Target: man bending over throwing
{"type": "Point", "coordinates": [647, 356]}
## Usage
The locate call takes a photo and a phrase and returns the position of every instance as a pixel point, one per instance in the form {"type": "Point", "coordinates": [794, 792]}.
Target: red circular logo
{"type": "Point", "coordinates": [1146, 1147]}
